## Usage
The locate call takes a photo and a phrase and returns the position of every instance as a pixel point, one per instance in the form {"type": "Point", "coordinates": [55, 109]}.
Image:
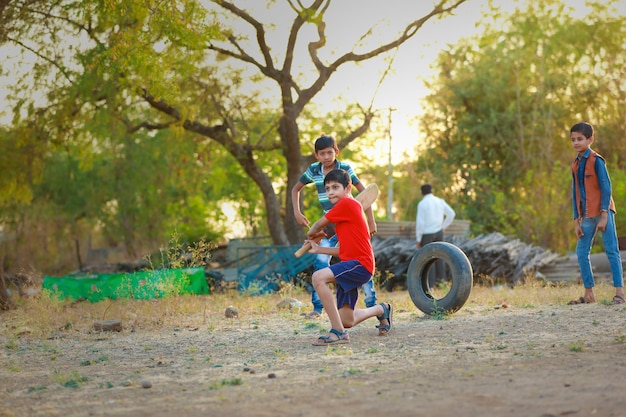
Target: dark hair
{"type": "Point", "coordinates": [427, 189]}
{"type": "Point", "coordinates": [584, 128]}
{"type": "Point", "coordinates": [338, 175]}
{"type": "Point", "coordinates": [324, 142]}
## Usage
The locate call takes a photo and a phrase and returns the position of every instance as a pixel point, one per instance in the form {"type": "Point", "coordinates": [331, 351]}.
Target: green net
{"type": "Point", "coordinates": [141, 285]}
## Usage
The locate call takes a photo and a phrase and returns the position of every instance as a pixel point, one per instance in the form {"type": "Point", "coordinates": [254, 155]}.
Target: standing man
{"type": "Point", "coordinates": [433, 216]}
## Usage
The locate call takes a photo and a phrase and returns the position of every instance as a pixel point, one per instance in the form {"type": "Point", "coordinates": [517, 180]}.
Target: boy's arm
{"type": "Point", "coordinates": [313, 235]}
{"type": "Point", "coordinates": [605, 192]}
{"type": "Point", "coordinates": [318, 228]}
{"type": "Point", "coordinates": [295, 201]}
{"type": "Point", "coordinates": [369, 213]}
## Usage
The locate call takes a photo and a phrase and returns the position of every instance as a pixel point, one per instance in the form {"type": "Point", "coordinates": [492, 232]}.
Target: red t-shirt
{"type": "Point", "coordinates": [352, 232]}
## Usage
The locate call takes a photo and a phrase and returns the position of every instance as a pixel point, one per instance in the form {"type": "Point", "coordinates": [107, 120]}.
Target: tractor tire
{"type": "Point", "coordinates": [450, 294]}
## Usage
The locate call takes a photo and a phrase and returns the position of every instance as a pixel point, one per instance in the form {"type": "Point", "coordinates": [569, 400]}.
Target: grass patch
{"type": "Point", "coordinates": [69, 380]}
{"type": "Point", "coordinates": [225, 382]}
{"type": "Point", "coordinates": [577, 346]}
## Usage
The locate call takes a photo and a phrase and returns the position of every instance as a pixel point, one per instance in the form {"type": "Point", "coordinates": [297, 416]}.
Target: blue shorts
{"type": "Point", "coordinates": [350, 276]}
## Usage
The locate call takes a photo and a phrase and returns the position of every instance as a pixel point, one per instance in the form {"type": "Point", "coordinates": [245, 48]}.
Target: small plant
{"type": "Point", "coordinates": [351, 371]}
{"type": "Point", "coordinates": [439, 313]}
{"type": "Point", "coordinates": [225, 382]}
{"type": "Point", "coordinates": [577, 346]}
{"type": "Point", "coordinates": [13, 367]}
{"type": "Point", "coordinates": [372, 350]}
{"type": "Point", "coordinates": [94, 361]}
{"type": "Point", "coordinates": [313, 326]}
{"type": "Point", "coordinates": [281, 354]}
{"type": "Point", "coordinates": [12, 344]}
{"type": "Point", "coordinates": [71, 380]}
{"type": "Point", "coordinates": [499, 347]}
{"type": "Point", "coordinates": [340, 350]}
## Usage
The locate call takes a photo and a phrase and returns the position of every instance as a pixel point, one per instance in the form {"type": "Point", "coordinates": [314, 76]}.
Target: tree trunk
{"type": "Point", "coordinates": [290, 136]}
{"type": "Point", "coordinates": [5, 301]}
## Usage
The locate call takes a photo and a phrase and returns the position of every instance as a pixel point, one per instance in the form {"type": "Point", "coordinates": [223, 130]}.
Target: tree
{"type": "Point", "coordinates": [497, 138]}
{"type": "Point", "coordinates": [294, 95]}
{"type": "Point", "coordinates": [165, 55]}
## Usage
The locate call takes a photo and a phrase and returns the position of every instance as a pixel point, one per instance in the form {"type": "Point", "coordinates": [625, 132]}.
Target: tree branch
{"type": "Point", "coordinates": [267, 69]}
{"type": "Point", "coordinates": [50, 61]}
{"type": "Point", "coordinates": [325, 71]}
{"type": "Point", "coordinates": [219, 133]}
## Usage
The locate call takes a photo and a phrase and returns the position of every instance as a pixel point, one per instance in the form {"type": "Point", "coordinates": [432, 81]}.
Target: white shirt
{"type": "Point", "coordinates": [433, 215]}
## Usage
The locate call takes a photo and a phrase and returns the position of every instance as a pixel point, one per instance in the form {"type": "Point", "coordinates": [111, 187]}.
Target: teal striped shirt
{"type": "Point", "coordinates": [315, 174]}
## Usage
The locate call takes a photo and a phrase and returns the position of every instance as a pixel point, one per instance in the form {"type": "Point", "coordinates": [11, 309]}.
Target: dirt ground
{"type": "Point", "coordinates": [547, 360]}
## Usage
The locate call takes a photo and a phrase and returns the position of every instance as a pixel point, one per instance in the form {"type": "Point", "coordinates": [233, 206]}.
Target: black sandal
{"type": "Point", "coordinates": [384, 329]}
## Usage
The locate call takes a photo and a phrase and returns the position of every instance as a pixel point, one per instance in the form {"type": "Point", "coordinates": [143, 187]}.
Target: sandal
{"type": "Point", "coordinates": [384, 329]}
{"type": "Point", "coordinates": [581, 300]}
{"type": "Point", "coordinates": [618, 299]}
{"type": "Point", "coordinates": [342, 338]}
{"type": "Point", "coordinates": [313, 315]}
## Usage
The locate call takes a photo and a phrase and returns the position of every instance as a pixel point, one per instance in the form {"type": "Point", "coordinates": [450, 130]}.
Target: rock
{"type": "Point", "coordinates": [146, 384]}
{"type": "Point", "coordinates": [108, 326]}
{"type": "Point", "coordinates": [289, 303]}
{"type": "Point", "coordinates": [231, 312]}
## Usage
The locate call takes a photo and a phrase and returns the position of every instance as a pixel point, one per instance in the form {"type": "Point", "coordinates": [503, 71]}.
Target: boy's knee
{"type": "Point", "coordinates": [316, 279]}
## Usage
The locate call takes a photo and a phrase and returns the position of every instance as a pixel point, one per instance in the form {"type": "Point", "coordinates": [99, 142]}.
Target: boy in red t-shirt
{"type": "Point", "coordinates": [356, 267]}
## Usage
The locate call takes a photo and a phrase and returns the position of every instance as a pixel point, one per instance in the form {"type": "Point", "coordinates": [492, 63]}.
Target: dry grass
{"type": "Point", "coordinates": [40, 316]}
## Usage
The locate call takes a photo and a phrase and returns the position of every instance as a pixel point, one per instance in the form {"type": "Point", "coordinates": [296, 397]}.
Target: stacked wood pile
{"type": "Point", "coordinates": [494, 258]}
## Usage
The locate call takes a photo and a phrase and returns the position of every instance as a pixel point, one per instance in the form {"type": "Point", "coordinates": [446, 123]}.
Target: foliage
{"type": "Point", "coordinates": [139, 118]}
{"type": "Point", "coordinates": [497, 124]}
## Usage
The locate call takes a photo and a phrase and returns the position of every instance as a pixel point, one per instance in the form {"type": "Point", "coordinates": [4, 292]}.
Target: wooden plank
{"type": "Point", "coordinates": [407, 229]}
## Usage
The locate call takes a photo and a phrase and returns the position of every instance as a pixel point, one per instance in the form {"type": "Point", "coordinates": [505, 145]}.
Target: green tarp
{"type": "Point", "coordinates": [142, 285]}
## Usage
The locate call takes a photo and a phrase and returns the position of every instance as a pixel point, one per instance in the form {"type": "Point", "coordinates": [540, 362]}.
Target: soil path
{"type": "Point", "coordinates": [549, 360]}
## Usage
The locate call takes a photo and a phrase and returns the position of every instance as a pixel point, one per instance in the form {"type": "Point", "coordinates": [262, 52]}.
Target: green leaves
{"type": "Point", "coordinates": [498, 119]}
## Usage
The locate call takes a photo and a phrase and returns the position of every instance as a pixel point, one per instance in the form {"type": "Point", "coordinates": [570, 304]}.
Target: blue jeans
{"type": "Point", "coordinates": [322, 261]}
{"type": "Point", "coordinates": [609, 239]}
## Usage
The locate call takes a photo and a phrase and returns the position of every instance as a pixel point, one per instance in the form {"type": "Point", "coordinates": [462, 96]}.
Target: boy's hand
{"type": "Point", "coordinates": [578, 230]}
{"type": "Point", "coordinates": [314, 246]}
{"type": "Point", "coordinates": [316, 236]}
{"type": "Point", "coordinates": [602, 222]}
{"type": "Point", "coordinates": [302, 220]}
{"type": "Point", "coordinates": [373, 228]}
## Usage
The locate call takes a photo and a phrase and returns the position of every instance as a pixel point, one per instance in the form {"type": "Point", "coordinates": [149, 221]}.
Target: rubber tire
{"type": "Point", "coordinates": [460, 269]}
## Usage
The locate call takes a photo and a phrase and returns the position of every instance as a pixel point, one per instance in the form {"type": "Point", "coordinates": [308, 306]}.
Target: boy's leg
{"type": "Point", "coordinates": [321, 261]}
{"type": "Point", "coordinates": [353, 317]}
{"type": "Point", "coordinates": [317, 305]}
{"type": "Point", "coordinates": [321, 279]}
{"type": "Point", "coordinates": [611, 247]}
{"type": "Point", "coordinates": [583, 249]}
{"type": "Point", "coordinates": [370, 293]}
